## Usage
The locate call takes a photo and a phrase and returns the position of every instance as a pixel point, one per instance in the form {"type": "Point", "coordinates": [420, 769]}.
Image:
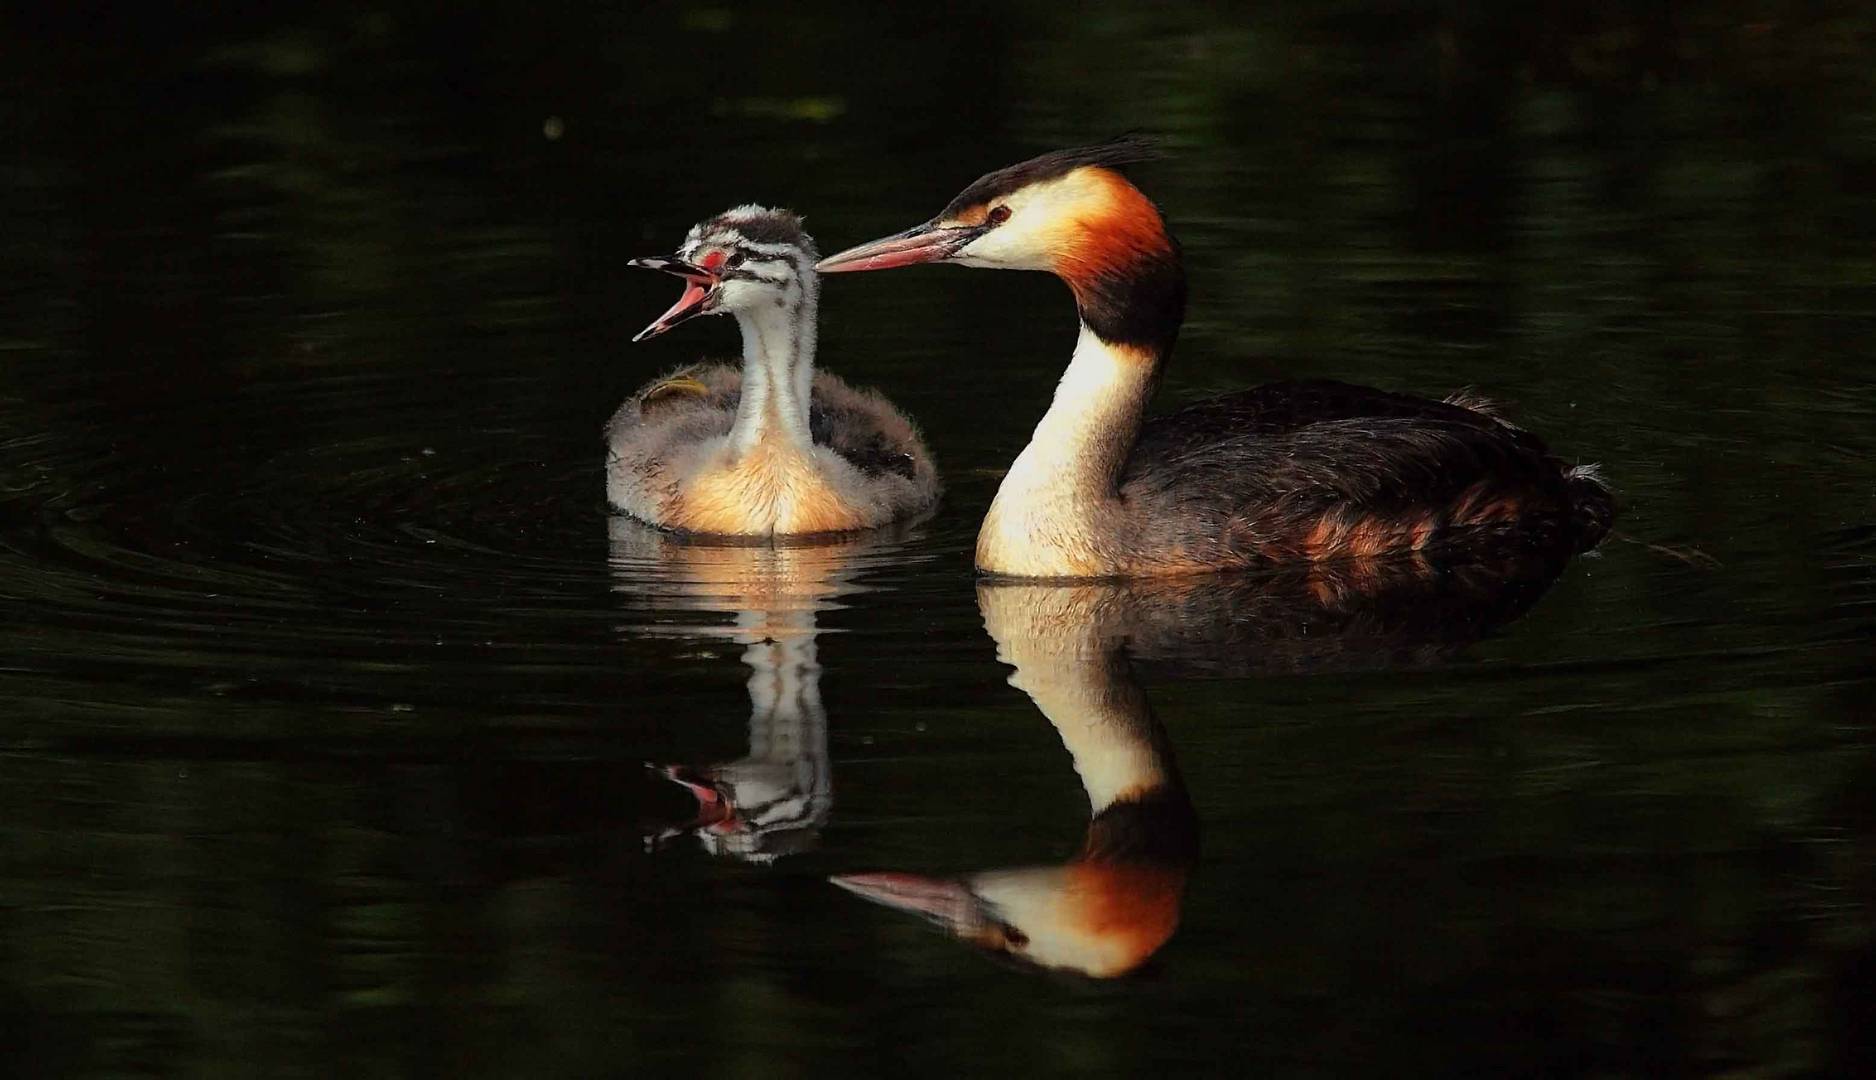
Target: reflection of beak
{"type": "Point", "coordinates": [946, 902]}
{"type": "Point", "coordinates": [700, 288]}
{"type": "Point", "coordinates": [925, 243]}
{"type": "Point", "coordinates": [713, 807]}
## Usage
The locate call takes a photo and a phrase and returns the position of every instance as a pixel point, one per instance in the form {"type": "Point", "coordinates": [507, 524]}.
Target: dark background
{"type": "Point", "coordinates": [323, 697]}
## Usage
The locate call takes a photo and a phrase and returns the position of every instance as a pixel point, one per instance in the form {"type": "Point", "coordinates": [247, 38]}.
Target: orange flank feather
{"type": "Point", "coordinates": [1341, 534]}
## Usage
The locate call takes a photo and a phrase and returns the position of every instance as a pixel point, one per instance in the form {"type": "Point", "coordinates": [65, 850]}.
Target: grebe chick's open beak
{"type": "Point", "coordinates": [713, 806]}
{"type": "Point", "coordinates": [934, 241]}
{"type": "Point", "coordinates": [701, 289]}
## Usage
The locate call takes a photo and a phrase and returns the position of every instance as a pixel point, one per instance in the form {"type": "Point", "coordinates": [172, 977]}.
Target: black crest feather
{"type": "Point", "coordinates": [763, 225]}
{"type": "Point", "coordinates": [1115, 153]}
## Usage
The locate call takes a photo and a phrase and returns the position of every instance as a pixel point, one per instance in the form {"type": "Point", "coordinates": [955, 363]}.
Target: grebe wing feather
{"type": "Point", "coordinates": [1265, 472]}
{"type": "Point", "coordinates": [1381, 461]}
{"type": "Point", "coordinates": [864, 428]}
{"type": "Point", "coordinates": [700, 400]}
{"type": "Point", "coordinates": [685, 393]}
{"type": "Point", "coordinates": [1285, 407]}
{"type": "Point", "coordinates": [1340, 441]}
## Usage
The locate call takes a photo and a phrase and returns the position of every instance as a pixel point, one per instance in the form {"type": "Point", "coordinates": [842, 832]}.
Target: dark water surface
{"type": "Point", "coordinates": [329, 688]}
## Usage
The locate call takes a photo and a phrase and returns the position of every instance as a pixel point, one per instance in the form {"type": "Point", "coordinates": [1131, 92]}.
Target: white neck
{"type": "Point", "coordinates": [778, 375]}
{"type": "Point", "coordinates": [1046, 517]}
{"type": "Point", "coordinates": [1072, 667]}
{"type": "Point", "coordinates": [786, 719]}
{"type": "Point", "coordinates": [1103, 721]}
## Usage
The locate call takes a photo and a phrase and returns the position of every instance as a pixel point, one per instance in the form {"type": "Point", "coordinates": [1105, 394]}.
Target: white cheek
{"type": "Point", "coordinates": [984, 255]}
{"type": "Point", "coordinates": [1011, 246]}
{"type": "Point", "coordinates": [744, 295]}
{"type": "Point", "coordinates": [987, 250]}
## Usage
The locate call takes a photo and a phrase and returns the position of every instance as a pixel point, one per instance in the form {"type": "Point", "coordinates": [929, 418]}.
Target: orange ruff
{"type": "Point", "coordinates": [1112, 227]}
{"type": "Point", "coordinates": [1135, 905]}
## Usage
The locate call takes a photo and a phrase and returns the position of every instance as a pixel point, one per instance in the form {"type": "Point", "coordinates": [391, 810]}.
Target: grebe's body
{"type": "Point", "coordinates": [677, 460]}
{"type": "Point", "coordinates": [1284, 472]}
{"type": "Point", "coordinates": [772, 448]}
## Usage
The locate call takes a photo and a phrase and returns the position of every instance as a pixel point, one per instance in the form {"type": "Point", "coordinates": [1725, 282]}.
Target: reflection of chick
{"type": "Point", "coordinates": [1112, 906]}
{"type": "Point", "coordinates": [771, 802]}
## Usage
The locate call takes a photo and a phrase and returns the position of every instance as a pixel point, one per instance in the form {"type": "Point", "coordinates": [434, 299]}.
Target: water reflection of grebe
{"type": "Point", "coordinates": [772, 801]}
{"type": "Point", "coordinates": [1283, 473]}
{"type": "Point", "coordinates": [773, 448]}
{"type": "Point", "coordinates": [1110, 908]}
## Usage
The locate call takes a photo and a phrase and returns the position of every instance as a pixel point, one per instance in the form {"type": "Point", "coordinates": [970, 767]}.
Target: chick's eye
{"type": "Point", "coordinates": [997, 216]}
{"type": "Point", "coordinates": [734, 261]}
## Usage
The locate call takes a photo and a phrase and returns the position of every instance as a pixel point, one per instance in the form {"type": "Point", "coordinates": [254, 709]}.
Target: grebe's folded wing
{"type": "Point", "coordinates": [1283, 407]}
{"type": "Point", "coordinates": [1318, 470]}
{"type": "Point", "coordinates": [864, 428]}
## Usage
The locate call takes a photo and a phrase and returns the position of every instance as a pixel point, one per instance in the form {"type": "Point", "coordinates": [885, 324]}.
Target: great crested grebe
{"type": "Point", "coordinates": [1280, 473]}
{"type": "Point", "coordinates": [775, 448]}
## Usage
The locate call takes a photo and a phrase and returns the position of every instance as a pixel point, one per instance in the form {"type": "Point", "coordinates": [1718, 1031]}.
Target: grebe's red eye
{"type": "Point", "coordinates": [997, 216]}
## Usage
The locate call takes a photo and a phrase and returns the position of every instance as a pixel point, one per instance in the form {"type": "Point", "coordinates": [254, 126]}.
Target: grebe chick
{"type": "Point", "coordinates": [1282, 473]}
{"type": "Point", "coordinates": [775, 448]}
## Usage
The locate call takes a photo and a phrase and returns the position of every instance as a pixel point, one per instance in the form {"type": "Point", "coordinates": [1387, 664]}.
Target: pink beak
{"type": "Point", "coordinates": [712, 807]}
{"type": "Point", "coordinates": [946, 902]}
{"type": "Point", "coordinates": [925, 243]}
{"type": "Point", "coordinates": [700, 286]}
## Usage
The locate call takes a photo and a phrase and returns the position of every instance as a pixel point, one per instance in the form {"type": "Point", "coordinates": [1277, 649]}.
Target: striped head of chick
{"type": "Point", "coordinates": [740, 260]}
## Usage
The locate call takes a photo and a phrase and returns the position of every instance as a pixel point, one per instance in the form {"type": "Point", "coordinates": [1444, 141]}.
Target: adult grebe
{"type": "Point", "coordinates": [775, 448]}
{"type": "Point", "coordinates": [1284, 472]}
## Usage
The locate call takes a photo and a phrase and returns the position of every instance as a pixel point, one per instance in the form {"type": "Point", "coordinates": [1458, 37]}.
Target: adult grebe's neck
{"type": "Point", "coordinates": [778, 375]}
{"type": "Point", "coordinates": [1103, 718]}
{"type": "Point", "coordinates": [1130, 292]}
{"type": "Point", "coordinates": [1066, 649]}
{"type": "Point", "coordinates": [1083, 439]}
{"type": "Point", "coordinates": [1054, 510]}
{"type": "Point", "coordinates": [1053, 514]}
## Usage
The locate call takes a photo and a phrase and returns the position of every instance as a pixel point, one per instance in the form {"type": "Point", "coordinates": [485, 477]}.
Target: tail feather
{"type": "Point", "coordinates": [1592, 504]}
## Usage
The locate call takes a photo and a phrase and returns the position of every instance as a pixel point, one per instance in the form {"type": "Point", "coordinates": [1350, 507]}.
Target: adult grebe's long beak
{"type": "Point", "coordinates": [949, 903]}
{"type": "Point", "coordinates": [925, 243]}
{"type": "Point", "coordinates": [700, 290]}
